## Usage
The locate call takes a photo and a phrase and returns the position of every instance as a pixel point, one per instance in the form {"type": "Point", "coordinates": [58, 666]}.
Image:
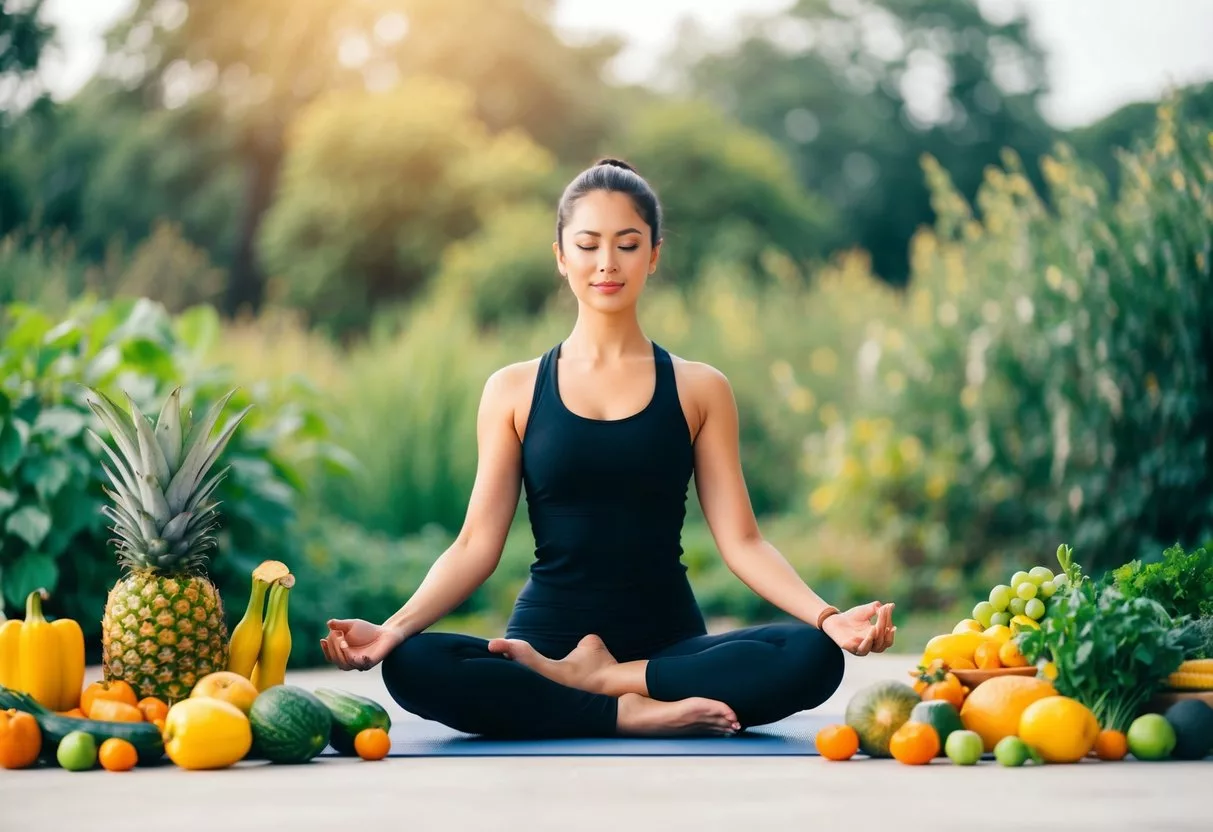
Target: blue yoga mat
{"type": "Point", "coordinates": [791, 737]}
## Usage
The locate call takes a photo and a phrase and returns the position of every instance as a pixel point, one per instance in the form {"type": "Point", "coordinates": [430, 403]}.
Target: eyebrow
{"type": "Point", "coordinates": [617, 233]}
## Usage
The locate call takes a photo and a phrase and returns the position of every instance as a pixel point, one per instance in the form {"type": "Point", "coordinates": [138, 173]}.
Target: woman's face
{"type": "Point", "coordinates": [607, 255]}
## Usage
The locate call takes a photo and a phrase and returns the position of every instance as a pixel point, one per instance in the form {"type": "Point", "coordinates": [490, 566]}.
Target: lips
{"type": "Point", "coordinates": [607, 287]}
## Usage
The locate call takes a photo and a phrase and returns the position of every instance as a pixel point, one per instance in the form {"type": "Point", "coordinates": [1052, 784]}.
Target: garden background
{"type": "Point", "coordinates": [958, 334]}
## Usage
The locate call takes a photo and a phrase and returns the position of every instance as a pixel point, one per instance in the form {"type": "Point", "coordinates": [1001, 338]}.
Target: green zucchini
{"type": "Point", "coordinates": [351, 714]}
{"type": "Point", "coordinates": [144, 736]}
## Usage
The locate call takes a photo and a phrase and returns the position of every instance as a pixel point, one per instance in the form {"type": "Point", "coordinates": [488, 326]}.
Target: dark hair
{"type": "Point", "coordinates": [611, 175]}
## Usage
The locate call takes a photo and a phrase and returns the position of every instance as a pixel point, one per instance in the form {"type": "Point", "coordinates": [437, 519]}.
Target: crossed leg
{"type": "Point", "coordinates": [454, 679]}
{"type": "Point", "coordinates": [763, 673]}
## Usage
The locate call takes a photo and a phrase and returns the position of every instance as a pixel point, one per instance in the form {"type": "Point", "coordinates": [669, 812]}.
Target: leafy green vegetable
{"type": "Point", "coordinates": [1203, 628]}
{"type": "Point", "coordinates": [1111, 652]}
{"type": "Point", "coordinates": [1181, 581]}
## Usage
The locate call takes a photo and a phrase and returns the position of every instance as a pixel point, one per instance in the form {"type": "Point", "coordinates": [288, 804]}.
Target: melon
{"type": "Point", "coordinates": [877, 711]}
{"type": "Point", "coordinates": [290, 724]}
{"type": "Point", "coordinates": [994, 707]}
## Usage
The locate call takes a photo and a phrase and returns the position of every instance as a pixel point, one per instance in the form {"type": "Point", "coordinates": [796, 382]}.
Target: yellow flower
{"type": "Point", "coordinates": [895, 381]}
{"type": "Point", "coordinates": [864, 431]}
{"type": "Point", "coordinates": [936, 486]}
{"type": "Point", "coordinates": [881, 467]}
{"type": "Point", "coordinates": [800, 400]}
{"type": "Point", "coordinates": [781, 371]}
{"type": "Point", "coordinates": [969, 397]}
{"type": "Point", "coordinates": [851, 467]}
{"type": "Point", "coordinates": [1053, 277]}
{"type": "Point", "coordinates": [910, 449]}
{"type": "Point", "coordinates": [822, 498]}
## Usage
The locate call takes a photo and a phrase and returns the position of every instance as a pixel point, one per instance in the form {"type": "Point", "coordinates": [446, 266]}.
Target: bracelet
{"type": "Point", "coordinates": [826, 613]}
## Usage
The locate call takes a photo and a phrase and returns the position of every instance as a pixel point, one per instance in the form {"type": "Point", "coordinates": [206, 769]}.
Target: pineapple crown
{"type": "Point", "coordinates": [162, 512]}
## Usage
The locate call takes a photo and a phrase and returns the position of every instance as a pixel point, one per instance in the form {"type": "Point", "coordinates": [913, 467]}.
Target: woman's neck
{"type": "Point", "coordinates": [598, 337]}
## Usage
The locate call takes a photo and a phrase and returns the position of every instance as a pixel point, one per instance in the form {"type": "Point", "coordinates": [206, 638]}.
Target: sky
{"type": "Point", "coordinates": [1103, 53]}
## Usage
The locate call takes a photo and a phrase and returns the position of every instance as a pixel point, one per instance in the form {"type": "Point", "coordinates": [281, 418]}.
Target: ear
{"type": "Point", "coordinates": [655, 256]}
{"type": "Point", "coordinates": [559, 259]}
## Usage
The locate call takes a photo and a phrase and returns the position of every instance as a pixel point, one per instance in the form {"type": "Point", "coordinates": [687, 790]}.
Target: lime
{"type": "Point", "coordinates": [1000, 619]}
{"type": "Point", "coordinates": [1151, 737]}
{"type": "Point", "coordinates": [1034, 609]}
{"type": "Point", "coordinates": [1047, 589]}
{"type": "Point", "coordinates": [983, 611]}
{"type": "Point", "coordinates": [1026, 590]}
{"type": "Point", "coordinates": [1017, 606]}
{"type": "Point", "coordinates": [1011, 752]}
{"type": "Point", "coordinates": [1040, 574]}
{"type": "Point", "coordinates": [1000, 596]}
{"type": "Point", "coordinates": [77, 751]}
{"type": "Point", "coordinates": [1020, 578]}
{"type": "Point", "coordinates": [964, 747]}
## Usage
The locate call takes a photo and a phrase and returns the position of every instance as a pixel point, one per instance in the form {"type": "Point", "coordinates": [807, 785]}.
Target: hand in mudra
{"type": "Point", "coordinates": [855, 631]}
{"type": "Point", "coordinates": [355, 644]}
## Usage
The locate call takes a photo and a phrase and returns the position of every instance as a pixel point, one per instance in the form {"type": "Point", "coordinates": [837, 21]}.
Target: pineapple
{"type": "Point", "coordinates": [164, 625]}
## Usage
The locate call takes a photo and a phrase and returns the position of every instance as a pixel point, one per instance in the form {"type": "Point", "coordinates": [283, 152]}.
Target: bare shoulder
{"type": "Point", "coordinates": [508, 392]}
{"type": "Point", "coordinates": [703, 388]}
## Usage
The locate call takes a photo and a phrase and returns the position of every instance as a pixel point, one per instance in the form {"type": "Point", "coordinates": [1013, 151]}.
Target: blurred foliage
{"type": "Point", "coordinates": [1054, 383]}
{"type": "Point", "coordinates": [363, 216]}
{"type": "Point", "coordinates": [856, 92]}
{"type": "Point", "coordinates": [54, 535]}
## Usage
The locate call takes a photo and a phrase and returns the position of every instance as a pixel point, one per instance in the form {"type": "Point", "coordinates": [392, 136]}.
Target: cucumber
{"type": "Point", "coordinates": [351, 713]}
{"type": "Point", "coordinates": [144, 736]}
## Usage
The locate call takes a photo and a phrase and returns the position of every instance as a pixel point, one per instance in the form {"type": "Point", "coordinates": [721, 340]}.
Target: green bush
{"type": "Point", "coordinates": [1054, 382]}
{"type": "Point", "coordinates": [54, 534]}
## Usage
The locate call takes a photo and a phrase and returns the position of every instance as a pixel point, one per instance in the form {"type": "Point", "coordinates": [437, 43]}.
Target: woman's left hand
{"type": "Point", "coordinates": [854, 631]}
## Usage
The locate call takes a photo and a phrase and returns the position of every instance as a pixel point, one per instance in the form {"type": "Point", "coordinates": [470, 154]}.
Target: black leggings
{"type": "Point", "coordinates": [763, 673]}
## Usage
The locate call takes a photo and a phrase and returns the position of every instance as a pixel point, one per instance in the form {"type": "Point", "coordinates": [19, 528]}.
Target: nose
{"type": "Point", "coordinates": [606, 264]}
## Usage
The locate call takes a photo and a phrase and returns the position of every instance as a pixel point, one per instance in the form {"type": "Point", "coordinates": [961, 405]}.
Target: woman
{"type": "Point", "coordinates": [604, 432]}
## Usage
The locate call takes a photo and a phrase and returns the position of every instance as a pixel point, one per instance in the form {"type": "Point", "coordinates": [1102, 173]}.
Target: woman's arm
{"type": "Point", "coordinates": [473, 556]}
{"type": "Point", "coordinates": [727, 508]}
{"type": "Point", "coordinates": [730, 515]}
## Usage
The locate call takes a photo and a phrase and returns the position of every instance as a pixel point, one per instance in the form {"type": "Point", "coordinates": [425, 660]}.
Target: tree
{"type": "Point", "coordinates": [267, 60]}
{"type": "Point", "coordinates": [363, 216]}
{"type": "Point", "coordinates": [729, 193]}
{"type": "Point", "coordinates": [859, 91]}
{"type": "Point", "coordinates": [24, 37]}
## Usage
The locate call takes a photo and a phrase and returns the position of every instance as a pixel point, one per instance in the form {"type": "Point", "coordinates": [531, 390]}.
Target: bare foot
{"type": "Point", "coordinates": [582, 669]}
{"type": "Point", "coordinates": [640, 716]}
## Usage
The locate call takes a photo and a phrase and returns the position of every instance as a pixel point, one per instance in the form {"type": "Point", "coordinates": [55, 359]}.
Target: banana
{"type": "Point", "coordinates": [276, 637]}
{"type": "Point", "coordinates": [245, 642]}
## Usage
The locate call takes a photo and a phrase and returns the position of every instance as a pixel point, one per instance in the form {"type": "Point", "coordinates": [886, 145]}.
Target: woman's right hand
{"type": "Point", "coordinates": [355, 644]}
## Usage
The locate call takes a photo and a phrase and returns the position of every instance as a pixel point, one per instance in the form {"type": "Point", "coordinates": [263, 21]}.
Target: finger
{"type": "Point", "coordinates": [327, 649]}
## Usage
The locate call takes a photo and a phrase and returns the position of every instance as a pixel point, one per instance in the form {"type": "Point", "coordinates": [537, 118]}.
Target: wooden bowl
{"type": "Point", "coordinates": [973, 678]}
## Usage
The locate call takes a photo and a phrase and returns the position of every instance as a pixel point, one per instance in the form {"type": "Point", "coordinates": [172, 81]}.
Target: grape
{"type": "Point", "coordinates": [1017, 606]}
{"type": "Point", "coordinates": [1019, 577]}
{"type": "Point", "coordinates": [1060, 580]}
{"type": "Point", "coordinates": [1003, 618]}
{"type": "Point", "coordinates": [1026, 590]}
{"type": "Point", "coordinates": [1047, 589]}
{"type": "Point", "coordinates": [1034, 609]}
{"type": "Point", "coordinates": [1000, 596]}
{"type": "Point", "coordinates": [982, 613]}
{"type": "Point", "coordinates": [1040, 574]}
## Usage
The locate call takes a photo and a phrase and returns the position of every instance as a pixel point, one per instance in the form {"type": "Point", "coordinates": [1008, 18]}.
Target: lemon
{"type": "Point", "coordinates": [1021, 622]}
{"type": "Point", "coordinates": [968, 625]}
{"type": "Point", "coordinates": [205, 733]}
{"type": "Point", "coordinates": [1001, 633]}
{"type": "Point", "coordinates": [1060, 729]}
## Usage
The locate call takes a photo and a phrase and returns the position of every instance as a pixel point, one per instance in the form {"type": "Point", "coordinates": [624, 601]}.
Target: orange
{"type": "Point", "coordinates": [118, 691]}
{"type": "Point", "coordinates": [961, 663]}
{"type": "Point", "coordinates": [110, 710]}
{"type": "Point", "coordinates": [117, 755]}
{"type": "Point", "coordinates": [1061, 729]}
{"type": "Point", "coordinates": [372, 744]}
{"type": "Point", "coordinates": [993, 708]}
{"type": "Point", "coordinates": [1111, 745]}
{"type": "Point", "coordinates": [914, 743]}
{"type": "Point", "coordinates": [986, 656]}
{"type": "Point", "coordinates": [1010, 656]}
{"type": "Point", "coordinates": [837, 742]}
{"type": "Point", "coordinates": [152, 709]}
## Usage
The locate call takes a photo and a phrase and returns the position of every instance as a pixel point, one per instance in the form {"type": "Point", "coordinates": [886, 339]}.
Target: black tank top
{"type": "Point", "coordinates": [607, 498]}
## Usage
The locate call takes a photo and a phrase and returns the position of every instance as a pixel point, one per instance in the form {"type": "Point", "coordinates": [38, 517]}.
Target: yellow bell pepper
{"type": "Point", "coordinates": [10, 643]}
{"type": "Point", "coordinates": [42, 658]}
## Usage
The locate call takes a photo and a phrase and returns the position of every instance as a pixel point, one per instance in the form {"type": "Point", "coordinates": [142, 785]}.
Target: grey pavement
{"type": "Point", "coordinates": [531, 794]}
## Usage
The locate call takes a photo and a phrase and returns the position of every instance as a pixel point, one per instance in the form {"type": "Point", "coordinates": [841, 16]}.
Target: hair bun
{"type": "Point", "coordinates": [618, 163]}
